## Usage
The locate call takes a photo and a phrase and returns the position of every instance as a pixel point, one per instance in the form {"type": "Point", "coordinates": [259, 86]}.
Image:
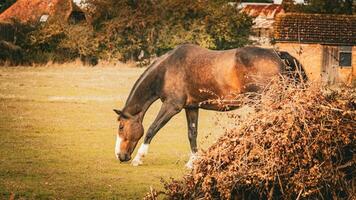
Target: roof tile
{"type": "Point", "coordinates": [316, 28]}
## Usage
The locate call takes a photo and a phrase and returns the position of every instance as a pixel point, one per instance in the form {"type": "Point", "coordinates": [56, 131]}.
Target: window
{"type": "Point", "coordinates": [44, 18]}
{"type": "Point", "coordinates": [345, 56]}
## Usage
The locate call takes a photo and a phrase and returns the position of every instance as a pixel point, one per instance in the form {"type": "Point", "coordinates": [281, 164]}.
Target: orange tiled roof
{"type": "Point", "coordinates": [316, 28]}
{"type": "Point", "coordinates": [30, 11]}
{"type": "Point", "coordinates": [265, 11]}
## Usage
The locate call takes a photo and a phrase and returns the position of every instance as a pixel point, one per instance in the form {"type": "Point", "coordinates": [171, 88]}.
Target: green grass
{"type": "Point", "coordinates": [57, 135]}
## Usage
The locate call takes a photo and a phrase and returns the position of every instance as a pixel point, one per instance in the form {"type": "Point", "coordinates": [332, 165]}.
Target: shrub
{"type": "Point", "coordinates": [136, 30]}
{"type": "Point", "coordinates": [154, 27]}
{"type": "Point", "coordinates": [299, 145]}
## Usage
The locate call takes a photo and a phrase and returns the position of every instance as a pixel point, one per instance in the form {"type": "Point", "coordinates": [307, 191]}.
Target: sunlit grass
{"type": "Point", "coordinates": [57, 135]}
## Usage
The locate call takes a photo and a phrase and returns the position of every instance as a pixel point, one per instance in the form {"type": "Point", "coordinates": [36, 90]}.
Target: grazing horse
{"type": "Point", "coordinates": [179, 79]}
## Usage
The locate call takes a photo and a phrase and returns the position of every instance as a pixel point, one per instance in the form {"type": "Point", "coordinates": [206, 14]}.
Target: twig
{"type": "Point", "coordinates": [152, 193]}
{"type": "Point", "coordinates": [280, 183]}
{"type": "Point", "coordinates": [300, 192]}
{"type": "Point", "coordinates": [331, 108]}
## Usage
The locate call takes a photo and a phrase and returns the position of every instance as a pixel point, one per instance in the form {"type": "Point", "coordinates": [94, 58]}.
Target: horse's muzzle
{"type": "Point", "coordinates": [124, 157]}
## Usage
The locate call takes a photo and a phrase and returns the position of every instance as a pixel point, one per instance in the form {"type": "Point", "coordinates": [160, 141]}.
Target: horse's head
{"type": "Point", "coordinates": [129, 133]}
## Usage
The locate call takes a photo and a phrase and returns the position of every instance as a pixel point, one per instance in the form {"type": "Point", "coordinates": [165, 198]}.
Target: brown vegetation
{"type": "Point", "coordinates": [125, 30]}
{"type": "Point", "coordinates": [299, 144]}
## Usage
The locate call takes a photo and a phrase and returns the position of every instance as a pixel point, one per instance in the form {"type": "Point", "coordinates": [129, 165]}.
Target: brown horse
{"type": "Point", "coordinates": [179, 79]}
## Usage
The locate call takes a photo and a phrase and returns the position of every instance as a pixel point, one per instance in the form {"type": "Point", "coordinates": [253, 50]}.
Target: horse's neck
{"type": "Point", "coordinates": [144, 93]}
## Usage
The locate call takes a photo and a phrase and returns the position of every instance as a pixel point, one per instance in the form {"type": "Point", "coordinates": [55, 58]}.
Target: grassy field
{"type": "Point", "coordinates": [57, 135]}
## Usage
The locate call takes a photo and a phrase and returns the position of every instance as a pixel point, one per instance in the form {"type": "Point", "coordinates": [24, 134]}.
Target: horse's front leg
{"type": "Point", "coordinates": [167, 111]}
{"type": "Point", "coordinates": [192, 122]}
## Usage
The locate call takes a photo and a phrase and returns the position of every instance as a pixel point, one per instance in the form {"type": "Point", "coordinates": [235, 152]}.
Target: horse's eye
{"type": "Point", "coordinates": [121, 127]}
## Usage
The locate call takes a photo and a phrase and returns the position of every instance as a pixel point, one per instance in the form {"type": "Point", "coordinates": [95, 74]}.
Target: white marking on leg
{"type": "Point", "coordinates": [142, 151]}
{"type": "Point", "coordinates": [117, 146]}
{"type": "Point", "coordinates": [190, 163]}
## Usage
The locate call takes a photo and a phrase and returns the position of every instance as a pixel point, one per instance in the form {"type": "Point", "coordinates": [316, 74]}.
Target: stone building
{"type": "Point", "coordinates": [264, 15]}
{"type": "Point", "coordinates": [324, 44]}
{"type": "Point", "coordinates": [35, 11]}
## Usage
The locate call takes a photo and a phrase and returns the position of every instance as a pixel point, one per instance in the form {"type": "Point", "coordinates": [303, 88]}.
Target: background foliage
{"type": "Point", "coordinates": [321, 6]}
{"type": "Point", "coordinates": [4, 4]}
{"type": "Point", "coordinates": [153, 27]}
{"type": "Point", "coordinates": [137, 30]}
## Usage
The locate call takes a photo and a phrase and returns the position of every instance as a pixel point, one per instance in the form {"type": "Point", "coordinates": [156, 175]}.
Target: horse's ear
{"type": "Point", "coordinates": [122, 114]}
{"type": "Point", "coordinates": [118, 112]}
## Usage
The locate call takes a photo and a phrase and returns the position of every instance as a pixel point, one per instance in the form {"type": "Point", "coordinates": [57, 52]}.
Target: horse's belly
{"type": "Point", "coordinates": [214, 98]}
{"type": "Point", "coordinates": [219, 107]}
{"type": "Point", "coordinates": [215, 104]}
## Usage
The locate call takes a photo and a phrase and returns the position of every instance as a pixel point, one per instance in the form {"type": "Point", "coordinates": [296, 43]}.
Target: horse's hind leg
{"type": "Point", "coordinates": [167, 111]}
{"type": "Point", "coordinates": [192, 122]}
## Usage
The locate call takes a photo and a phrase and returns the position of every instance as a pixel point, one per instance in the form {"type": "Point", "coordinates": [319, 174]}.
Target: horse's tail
{"type": "Point", "coordinates": [292, 67]}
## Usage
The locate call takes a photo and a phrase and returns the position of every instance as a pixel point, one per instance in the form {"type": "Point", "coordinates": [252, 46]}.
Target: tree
{"type": "Point", "coordinates": [4, 4]}
{"type": "Point", "coordinates": [321, 6]}
{"type": "Point", "coordinates": [135, 29]}
{"type": "Point", "coordinates": [132, 26]}
{"type": "Point", "coordinates": [258, 1]}
{"type": "Point", "coordinates": [289, 5]}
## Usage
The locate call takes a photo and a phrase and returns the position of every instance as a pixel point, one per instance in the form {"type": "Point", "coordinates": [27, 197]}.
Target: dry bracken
{"type": "Point", "coordinates": [299, 144]}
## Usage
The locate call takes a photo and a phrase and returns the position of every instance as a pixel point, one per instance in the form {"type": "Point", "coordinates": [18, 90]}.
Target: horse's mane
{"type": "Point", "coordinates": [155, 63]}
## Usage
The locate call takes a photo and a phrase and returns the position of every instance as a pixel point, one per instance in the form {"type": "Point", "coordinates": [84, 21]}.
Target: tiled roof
{"type": "Point", "coordinates": [269, 11]}
{"type": "Point", "coordinates": [316, 28]}
{"type": "Point", "coordinates": [264, 14]}
{"type": "Point", "coordinates": [30, 11]}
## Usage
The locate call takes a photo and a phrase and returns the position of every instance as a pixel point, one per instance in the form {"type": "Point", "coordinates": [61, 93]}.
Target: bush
{"type": "Point", "coordinates": [136, 30]}
{"type": "Point", "coordinates": [13, 42]}
{"type": "Point", "coordinates": [299, 145]}
{"type": "Point", "coordinates": [154, 27]}
{"type": "Point", "coordinates": [53, 41]}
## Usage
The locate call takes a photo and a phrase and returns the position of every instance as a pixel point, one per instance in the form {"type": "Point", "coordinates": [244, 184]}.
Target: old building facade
{"type": "Point", "coordinates": [35, 11]}
{"type": "Point", "coordinates": [264, 15]}
{"type": "Point", "coordinates": [324, 44]}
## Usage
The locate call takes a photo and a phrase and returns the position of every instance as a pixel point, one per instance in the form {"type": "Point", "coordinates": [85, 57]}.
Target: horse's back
{"type": "Point", "coordinates": [201, 74]}
{"type": "Point", "coordinates": [193, 68]}
{"type": "Point", "coordinates": [260, 62]}
{"type": "Point", "coordinates": [193, 58]}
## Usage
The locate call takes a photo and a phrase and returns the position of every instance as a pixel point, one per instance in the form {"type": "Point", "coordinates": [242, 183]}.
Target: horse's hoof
{"type": "Point", "coordinates": [136, 163]}
{"type": "Point", "coordinates": [190, 163]}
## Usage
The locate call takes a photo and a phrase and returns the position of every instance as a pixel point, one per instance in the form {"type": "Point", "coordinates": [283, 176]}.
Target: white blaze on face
{"type": "Point", "coordinates": [117, 146]}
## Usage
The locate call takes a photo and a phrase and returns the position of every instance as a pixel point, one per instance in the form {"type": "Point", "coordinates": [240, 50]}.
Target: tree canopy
{"type": "Point", "coordinates": [4, 4]}
{"type": "Point", "coordinates": [138, 29]}
{"type": "Point", "coordinates": [257, 1]}
{"type": "Point", "coordinates": [154, 26]}
{"type": "Point", "coordinates": [321, 6]}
